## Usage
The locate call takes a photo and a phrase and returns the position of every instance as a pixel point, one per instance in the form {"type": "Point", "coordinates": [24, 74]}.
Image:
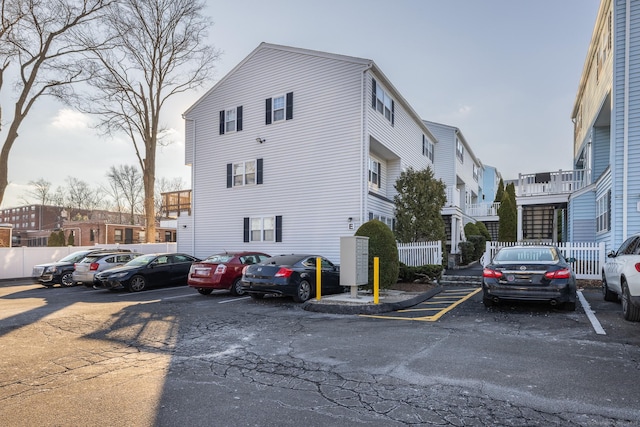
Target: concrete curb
{"type": "Point", "coordinates": [370, 308]}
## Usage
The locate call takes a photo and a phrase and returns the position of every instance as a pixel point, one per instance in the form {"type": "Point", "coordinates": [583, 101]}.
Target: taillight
{"type": "Point", "coordinates": [94, 266]}
{"type": "Point", "coordinates": [221, 269]}
{"type": "Point", "coordinates": [565, 273]}
{"type": "Point", "coordinates": [284, 272]}
{"type": "Point", "coordinates": [491, 274]}
{"type": "Point", "coordinates": [637, 266]}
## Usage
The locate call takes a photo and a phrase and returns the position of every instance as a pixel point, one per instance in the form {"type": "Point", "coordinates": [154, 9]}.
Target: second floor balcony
{"type": "Point", "coordinates": [551, 183]}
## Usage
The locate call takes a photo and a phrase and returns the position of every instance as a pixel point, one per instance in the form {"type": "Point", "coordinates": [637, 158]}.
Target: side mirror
{"type": "Point", "coordinates": [571, 260]}
{"type": "Point", "coordinates": [611, 254]}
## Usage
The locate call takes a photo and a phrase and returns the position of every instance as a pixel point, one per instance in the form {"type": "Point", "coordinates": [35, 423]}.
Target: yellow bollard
{"type": "Point", "coordinates": [318, 278]}
{"type": "Point", "coordinates": [376, 280]}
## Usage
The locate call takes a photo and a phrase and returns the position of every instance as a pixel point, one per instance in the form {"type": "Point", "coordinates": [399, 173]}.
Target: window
{"type": "Point", "coordinates": [603, 216]}
{"type": "Point", "coordinates": [390, 222]}
{"type": "Point", "coordinates": [117, 235]}
{"type": "Point", "coordinates": [374, 172]}
{"type": "Point", "coordinates": [427, 148]}
{"type": "Point", "coordinates": [263, 229]}
{"type": "Point", "coordinates": [231, 120]}
{"type": "Point", "coordinates": [460, 150]}
{"type": "Point", "coordinates": [475, 172]}
{"type": "Point", "coordinates": [382, 102]}
{"type": "Point", "coordinates": [279, 108]}
{"type": "Point", "coordinates": [244, 173]}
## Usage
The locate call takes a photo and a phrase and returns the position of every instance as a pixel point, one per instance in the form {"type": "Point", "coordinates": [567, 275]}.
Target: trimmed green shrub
{"type": "Point", "coordinates": [467, 250]}
{"type": "Point", "coordinates": [479, 245]}
{"type": "Point", "coordinates": [423, 273]}
{"type": "Point", "coordinates": [482, 228]}
{"type": "Point", "coordinates": [382, 244]}
{"type": "Point", "coordinates": [470, 229]}
{"type": "Point", "coordinates": [71, 241]}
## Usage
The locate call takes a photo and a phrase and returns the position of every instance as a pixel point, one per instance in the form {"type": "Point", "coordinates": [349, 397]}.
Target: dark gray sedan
{"type": "Point", "coordinates": [529, 273]}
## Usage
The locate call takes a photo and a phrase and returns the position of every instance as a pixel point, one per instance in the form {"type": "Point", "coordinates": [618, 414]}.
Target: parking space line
{"type": "Point", "coordinates": [233, 300]}
{"type": "Point", "coordinates": [591, 315]}
{"type": "Point", "coordinates": [446, 303]}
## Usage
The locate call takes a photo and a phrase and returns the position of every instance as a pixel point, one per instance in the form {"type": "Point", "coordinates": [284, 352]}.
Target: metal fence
{"type": "Point", "coordinates": [420, 253]}
{"type": "Point", "coordinates": [589, 256]}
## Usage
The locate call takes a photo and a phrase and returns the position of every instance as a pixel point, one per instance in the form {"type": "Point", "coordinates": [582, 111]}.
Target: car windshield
{"type": "Point", "coordinates": [535, 254]}
{"type": "Point", "coordinates": [141, 260]}
{"type": "Point", "coordinates": [74, 257]}
{"type": "Point", "coordinates": [217, 259]}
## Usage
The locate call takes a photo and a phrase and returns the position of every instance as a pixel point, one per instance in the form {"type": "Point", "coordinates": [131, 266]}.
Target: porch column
{"type": "Point", "coordinates": [554, 232]}
{"type": "Point", "coordinates": [520, 233]}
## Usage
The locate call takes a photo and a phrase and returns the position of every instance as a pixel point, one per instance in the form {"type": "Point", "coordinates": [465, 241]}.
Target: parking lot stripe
{"type": "Point", "coordinates": [445, 305]}
{"type": "Point", "coordinates": [233, 300]}
{"type": "Point", "coordinates": [591, 315]}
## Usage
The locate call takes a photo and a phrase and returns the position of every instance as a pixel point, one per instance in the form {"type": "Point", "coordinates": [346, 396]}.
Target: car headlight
{"type": "Point", "coordinates": [50, 270]}
{"type": "Point", "coordinates": [117, 275]}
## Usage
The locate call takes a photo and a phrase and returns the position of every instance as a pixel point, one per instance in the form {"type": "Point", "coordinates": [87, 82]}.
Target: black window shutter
{"type": "Point", "coordinates": [246, 229]}
{"type": "Point", "coordinates": [424, 151]}
{"type": "Point", "coordinates": [229, 175]}
{"type": "Point", "coordinates": [268, 114]}
{"type": "Point", "coordinates": [379, 176]}
{"type": "Point", "coordinates": [289, 105]}
{"type": "Point", "coordinates": [373, 93]}
{"type": "Point", "coordinates": [239, 118]}
{"type": "Point", "coordinates": [279, 228]}
{"type": "Point", "coordinates": [609, 210]}
{"type": "Point", "coordinates": [259, 171]}
{"type": "Point", "coordinates": [393, 113]}
{"type": "Point", "coordinates": [222, 122]}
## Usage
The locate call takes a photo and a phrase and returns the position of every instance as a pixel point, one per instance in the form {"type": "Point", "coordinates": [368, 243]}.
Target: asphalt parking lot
{"type": "Point", "coordinates": [76, 356]}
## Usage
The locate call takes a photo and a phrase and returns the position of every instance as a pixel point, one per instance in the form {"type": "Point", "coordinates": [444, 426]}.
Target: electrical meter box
{"type": "Point", "coordinates": [354, 260]}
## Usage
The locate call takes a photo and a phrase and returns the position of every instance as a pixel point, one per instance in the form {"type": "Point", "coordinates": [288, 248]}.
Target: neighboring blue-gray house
{"type": "Point", "coordinates": [606, 117]}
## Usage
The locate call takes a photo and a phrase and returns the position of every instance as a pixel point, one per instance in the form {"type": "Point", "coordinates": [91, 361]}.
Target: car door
{"type": "Point", "coordinates": [330, 275]}
{"type": "Point", "coordinates": [615, 264]}
{"type": "Point", "coordinates": [180, 265]}
{"type": "Point", "coordinates": [158, 272]}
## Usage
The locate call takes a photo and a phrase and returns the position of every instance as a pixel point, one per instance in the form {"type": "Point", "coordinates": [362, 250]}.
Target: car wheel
{"type": "Point", "coordinates": [205, 291]}
{"type": "Point", "coordinates": [236, 287]}
{"type": "Point", "coordinates": [137, 284]}
{"type": "Point", "coordinates": [629, 311]}
{"type": "Point", "coordinates": [66, 280]}
{"type": "Point", "coordinates": [257, 296]}
{"type": "Point", "coordinates": [303, 292]}
{"type": "Point", "coordinates": [607, 293]}
{"type": "Point", "coordinates": [487, 301]}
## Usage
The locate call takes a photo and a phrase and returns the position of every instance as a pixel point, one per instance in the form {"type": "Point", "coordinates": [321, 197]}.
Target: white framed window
{"type": "Point", "coordinates": [475, 172]}
{"type": "Point", "coordinates": [460, 150]}
{"type": "Point", "coordinates": [244, 173]}
{"type": "Point", "coordinates": [382, 102]}
{"type": "Point", "coordinates": [263, 229]}
{"type": "Point", "coordinates": [603, 217]}
{"type": "Point", "coordinates": [230, 120]}
{"type": "Point", "coordinates": [388, 221]}
{"type": "Point", "coordinates": [374, 172]}
{"type": "Point", "coordinates": [427, 148]}
{"type": "Point", "coordinates": [278, 108]}
{"type": "Point", "coordinates": [117, 235]}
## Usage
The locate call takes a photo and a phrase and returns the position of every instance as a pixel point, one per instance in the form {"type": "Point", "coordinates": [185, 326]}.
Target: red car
{"type": "Point", "coordinates": [222, 271]}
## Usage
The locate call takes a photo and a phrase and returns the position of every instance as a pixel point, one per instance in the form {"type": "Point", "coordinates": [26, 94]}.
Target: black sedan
{"type": "Point", "coordinates": [290, 275]}
{"type": "Point", "coordinates": [529, 273]}
{"type": "Point", "coordinates": [148, 271]}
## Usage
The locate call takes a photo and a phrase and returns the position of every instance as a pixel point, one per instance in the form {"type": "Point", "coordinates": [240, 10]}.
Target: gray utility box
{"type": "Point", "coordinates": [354, 261]}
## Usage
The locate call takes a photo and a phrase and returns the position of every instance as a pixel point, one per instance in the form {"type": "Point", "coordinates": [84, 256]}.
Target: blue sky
{"type": "Point", "coordinates": [503, 71]}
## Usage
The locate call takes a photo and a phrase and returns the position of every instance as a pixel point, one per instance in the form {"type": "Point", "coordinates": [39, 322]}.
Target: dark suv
{"type": "Point", "coordinates": [60, 272]}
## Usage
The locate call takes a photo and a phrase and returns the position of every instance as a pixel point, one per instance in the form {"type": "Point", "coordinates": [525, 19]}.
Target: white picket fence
{"type": "Point", "coordinates": [420, 253]}
{"type": "Point", "coordinates": [589, 256]}
{"type": "Point", "coordinates": [18, 262]}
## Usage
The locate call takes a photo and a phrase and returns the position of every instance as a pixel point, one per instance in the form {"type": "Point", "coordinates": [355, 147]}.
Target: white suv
{"type": "Point", "coordinates": [621, 277]}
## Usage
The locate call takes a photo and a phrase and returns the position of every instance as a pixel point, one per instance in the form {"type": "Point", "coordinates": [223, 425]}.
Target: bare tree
{"type": "Point", "coordinates": [38, 38]}
{"type": "Point", "coordinates": [126, 181]}
{"type": "Point", "coordinates": [80, 196]}
{"type": "Point", "coordinates": [158, 50]}
{"type": "Point", "coordinates": [41, 192]}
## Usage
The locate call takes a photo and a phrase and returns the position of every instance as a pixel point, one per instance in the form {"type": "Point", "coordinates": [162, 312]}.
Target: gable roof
{"type": "Point", "coordinates": [367, 64]}
{"type": "Point", "coordinates": [459, 134]}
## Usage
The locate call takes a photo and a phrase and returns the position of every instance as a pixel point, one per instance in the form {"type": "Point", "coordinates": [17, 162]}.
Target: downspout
{"type": "Point", "coordinates": [364, 145]}
{"type": "Point", "coordinates": [193, 182]}
{"type": "Point", "coordinates": [625, 140]}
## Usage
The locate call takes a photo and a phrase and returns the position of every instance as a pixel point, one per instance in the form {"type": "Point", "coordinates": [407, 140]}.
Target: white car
{"type": "Point", "coordinates": [621, 278]}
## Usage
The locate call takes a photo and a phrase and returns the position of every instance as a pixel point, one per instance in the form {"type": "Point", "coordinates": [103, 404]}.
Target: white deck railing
{"type": "Point", "coordinates": [546, 183]}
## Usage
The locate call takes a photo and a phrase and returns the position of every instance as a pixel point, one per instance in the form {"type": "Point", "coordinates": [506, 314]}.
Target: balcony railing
{"type": "Point", "coordinates": [483, 209]}
{"type": "Point", "coordinates": [548, 183]}
{"type": "Point", "coordinates": [176, 202]}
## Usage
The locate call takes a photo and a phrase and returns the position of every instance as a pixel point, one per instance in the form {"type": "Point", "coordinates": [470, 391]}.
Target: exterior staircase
{"type": "Point", "coordinates": [470, 276]}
